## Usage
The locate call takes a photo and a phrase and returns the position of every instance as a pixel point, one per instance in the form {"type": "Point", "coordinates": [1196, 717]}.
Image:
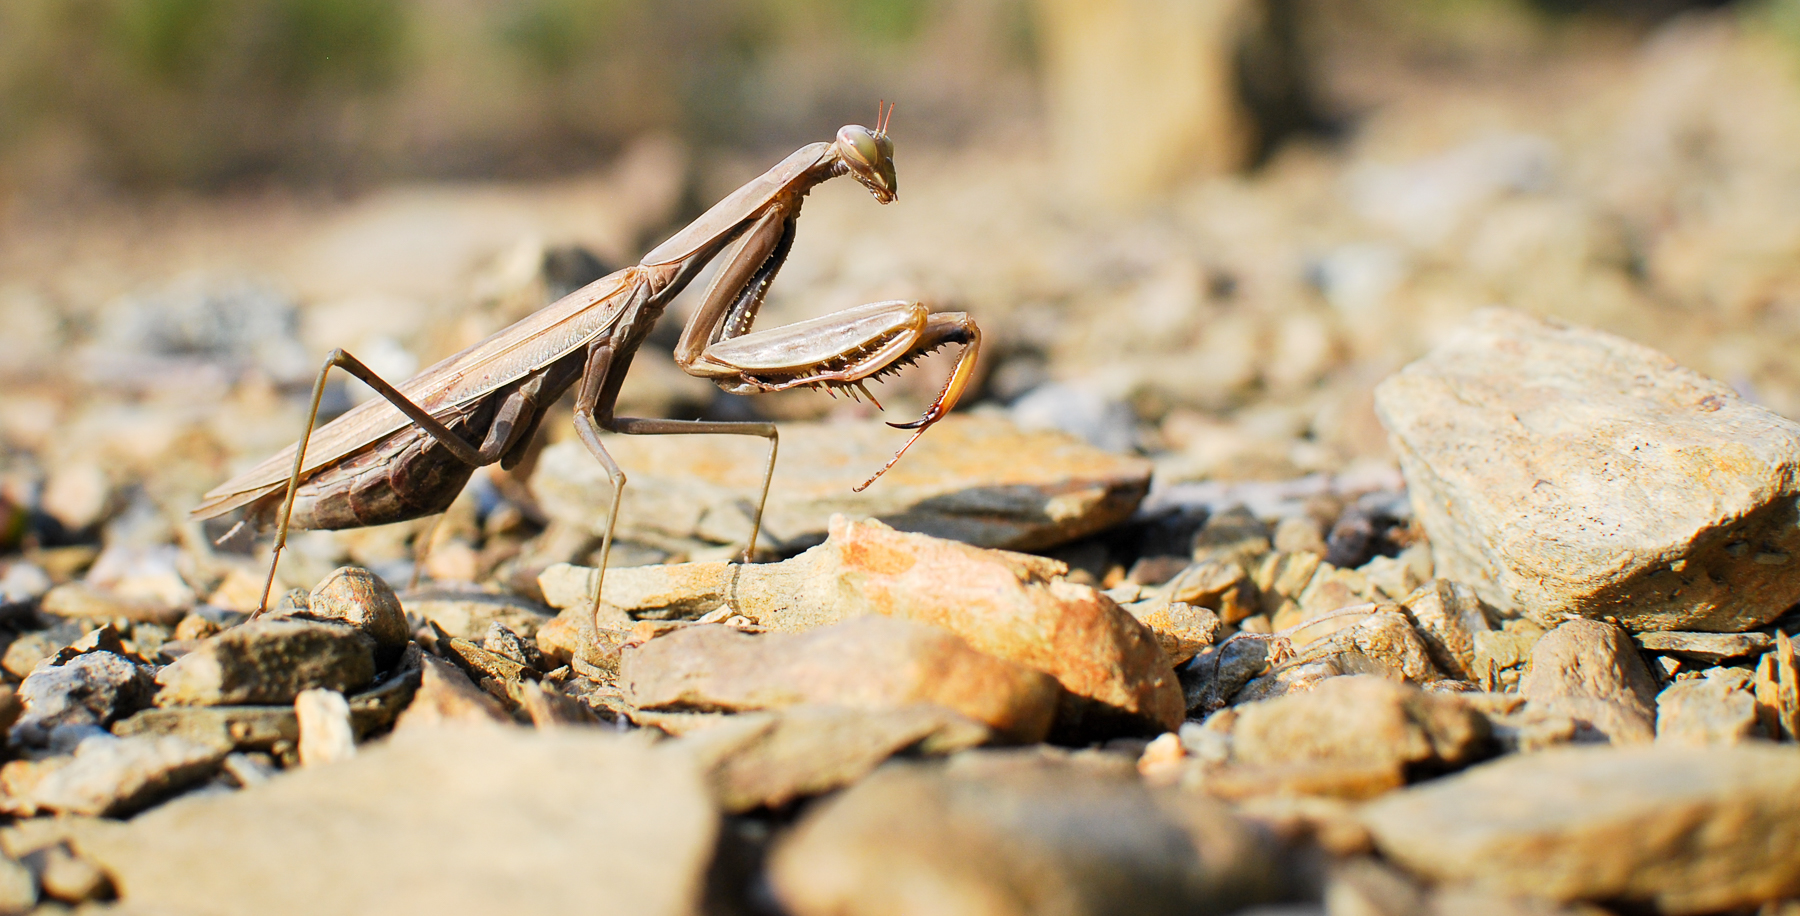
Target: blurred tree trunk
{"type": "Point", "coordinates": [1144, 94]}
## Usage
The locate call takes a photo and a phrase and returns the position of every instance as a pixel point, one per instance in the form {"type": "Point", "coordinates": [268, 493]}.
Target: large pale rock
{"type": "Point", "coordinates": [1348, 737]}
{"type": "Point", "coordinates": [1009, 605]}
{"type": "Point", "coordinates": [980, 480]}
{"type": "Point", "coordinates": [1560, 470]}
{"type": "Point", "coordinates": [445, 821]}
{"type": "Point", "coordinates": [868, 661]}
{"type": "Point", "coordinates": [1016, 833]}
{"type": "Point", "coordinates": [1683, 830]}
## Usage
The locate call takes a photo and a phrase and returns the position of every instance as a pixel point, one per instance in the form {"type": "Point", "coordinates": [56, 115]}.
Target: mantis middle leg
{"type": "Point", "coordinates": [588, 424]}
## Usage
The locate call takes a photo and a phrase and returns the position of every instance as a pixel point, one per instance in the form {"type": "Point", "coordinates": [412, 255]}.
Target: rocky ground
{"type": "Point", "coordinates": [1267, 574]}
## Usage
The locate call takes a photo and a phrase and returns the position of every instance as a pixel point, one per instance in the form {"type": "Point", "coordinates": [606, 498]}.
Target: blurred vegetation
{"type": "Point", "coordinates": [206, 92]}
{"type": "Point", "coordinates": [209, 93]}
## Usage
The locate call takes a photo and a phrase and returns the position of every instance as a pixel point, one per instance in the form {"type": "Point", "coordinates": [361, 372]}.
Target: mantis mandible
{"type": "Point", "coordinates": [408, 453]}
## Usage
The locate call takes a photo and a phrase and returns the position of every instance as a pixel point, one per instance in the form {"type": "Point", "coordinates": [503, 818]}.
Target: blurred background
{"type": "Point", "coordinates": [1200, 230]}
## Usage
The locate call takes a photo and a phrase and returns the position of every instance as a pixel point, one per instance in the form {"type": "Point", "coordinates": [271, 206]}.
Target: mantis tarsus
{"type": "Point", "coordinates": [408, 453]}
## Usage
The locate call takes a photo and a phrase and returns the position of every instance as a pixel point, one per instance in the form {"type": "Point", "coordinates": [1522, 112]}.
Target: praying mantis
{"type": "Point", "coordinates": [408, 453]}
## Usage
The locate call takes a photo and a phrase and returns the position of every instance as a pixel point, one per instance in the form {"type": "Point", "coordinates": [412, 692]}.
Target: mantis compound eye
{"type": "Point", "coordinates": [870, 157]}
{"type": "Point", "coordinates": [861, 142]}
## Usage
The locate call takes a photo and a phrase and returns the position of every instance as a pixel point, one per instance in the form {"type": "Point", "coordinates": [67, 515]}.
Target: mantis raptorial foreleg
{"type": "Point", "coordinates": [846, 350]}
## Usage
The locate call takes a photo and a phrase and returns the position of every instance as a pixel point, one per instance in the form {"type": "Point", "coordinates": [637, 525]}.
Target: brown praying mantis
{"type": "Point", "coordinates": [408, 453]}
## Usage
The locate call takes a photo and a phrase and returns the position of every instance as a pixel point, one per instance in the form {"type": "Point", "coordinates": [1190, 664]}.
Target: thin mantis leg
{"type": "Point", "coordinates": [634, 426]}
{"type": "Point", "coordinates": [588, 425]}
{"type": "Point", "coordinates": [342, 360]}
{"type": "Point", "coordinates": [422, 549]}
{"type": "Point", "coordinates": [593, 382]}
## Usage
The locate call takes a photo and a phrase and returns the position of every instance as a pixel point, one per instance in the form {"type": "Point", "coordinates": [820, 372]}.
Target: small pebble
{"type": "Point", "coordinates": [70, 878]}
{"type": "Point", "coordinates": [325, 732]}
{"type": "Point", "coordinates": [250, 769]}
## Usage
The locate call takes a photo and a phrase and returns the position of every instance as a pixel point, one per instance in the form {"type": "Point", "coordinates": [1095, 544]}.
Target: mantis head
{"type": "Point", "coordinates": [869, 156]}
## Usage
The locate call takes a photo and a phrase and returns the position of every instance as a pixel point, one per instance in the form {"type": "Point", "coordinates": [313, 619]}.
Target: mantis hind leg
{"type": "Point", "coordinates": [342, 360]}
{"type": "Point", "coordinates": [422, 550]}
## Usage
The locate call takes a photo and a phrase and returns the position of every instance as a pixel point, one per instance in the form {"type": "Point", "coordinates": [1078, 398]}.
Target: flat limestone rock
{"type": "Point", "coordinates": [1705, 710]}
{"type": "Point", "coordinates": [447, 696]}
{"type": "Point", "coordinates": [1710, 648]}
{"type": "Point", "coordinates": [1346, 780]}
{"type": "Point", "coordinates": [95, 688]}
{"type": "Point", "coordinates": [111, 775]}
{"type": "Point", "coordinates": [1559, 470]}
{"type": "Point", "coordinates": [467, 614]}
{"type": "Point", "coordinates": [873, 662]}
{"type": "Point", "coordinates": [665, 592]}
{"type": "Point", "coordinates": [980, 480]}
{"type": "Point", "coordinates": [258, 728]}
{"type": "Point", "coordinates": [1683, 830]}
{"type": "Point", "coordinates": [1448, 615]}
{"type": "Point", "coordinates": [1360, 719]}
{"type": "Point", "coordinates": [1380, 642]}
{"type": "Point", "coordinates": [1017, 832]}
{"type": "Point", "coordinates": [771, 758]}
{"type": "Point", "coordinates": [444, 821]}
{"type": "Point", "coordinates": [1009, 605]}
{"type": "Point", "coordinates": [79, 601]}
{"type": "Point", "coordinates": [268, 662]}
